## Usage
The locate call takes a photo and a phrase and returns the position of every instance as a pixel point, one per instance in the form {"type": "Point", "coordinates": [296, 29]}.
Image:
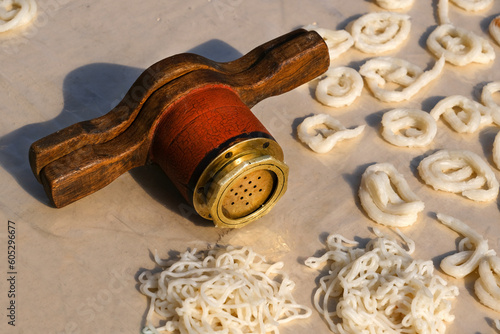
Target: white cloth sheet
{"type": "Point", "coordinates": [77, 267]}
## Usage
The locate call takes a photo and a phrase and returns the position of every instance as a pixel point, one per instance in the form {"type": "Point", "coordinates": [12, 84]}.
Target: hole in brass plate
{"type": "Point", "coordinates": [236, 205]}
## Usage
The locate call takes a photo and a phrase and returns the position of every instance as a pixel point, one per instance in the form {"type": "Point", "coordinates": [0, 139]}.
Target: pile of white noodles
{"type": "Point", "coordinates": [221, 291]}
{"type": "Point", "coordinates": [380, 289]}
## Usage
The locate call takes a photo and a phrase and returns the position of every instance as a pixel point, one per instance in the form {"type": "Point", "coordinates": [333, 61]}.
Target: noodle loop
{"type": "Point", "coordinates": [15, 13]}
{"type": "Point", "coordinates": [408, 127]}
{"type": "Point", "coordinates": [386, 196]}
{"type": "Point", "coordinates": [460, 172]}
{"type": "Point", "coordinates": [383, 72]}
{"type": "Point", "coordinates": [462, 114]}
{"type": "Point", "coordinates": [322, 132]}
{"type": "Point", "coordinates": [487, 287]}
{"type": "Point", "coordinates": [340, 87]}
{"type": "Point", "coordinates": [459, 46]}
{"type": "Point", "coordinates": [473, 5]}
{"type": "Point", "coordinates": [494, 29]}
{"type": "Point", "coordinates": [337, 41]}
{"type": "Point", "coordinates": [488, 100]}
{"type": "Point", "coordinates": [380, 32]}
{"type": "Point", "coordinates": [465, 261]}
{"type": "Point", "coordinates": [394, 4]}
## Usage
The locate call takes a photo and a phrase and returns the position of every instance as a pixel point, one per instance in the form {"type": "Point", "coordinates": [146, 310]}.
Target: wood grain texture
{"type": "Point", "coordinates": [82, 158]}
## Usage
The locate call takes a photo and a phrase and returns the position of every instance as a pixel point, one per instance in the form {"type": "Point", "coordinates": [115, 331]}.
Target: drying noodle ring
{"type": "Point", "coordinates": [496, 150]}
{"type": "Point", "coordinates": [408, 127]}
{"type": "Point", "coordinates": [395, 4]}
{"type": "Point", "coordinates": [380, 32]}
{"type": "Point", "coordinates": [465, 261]}
{"type": "Point", "coordinates": [16, 13]}
{"type": "Point", "coordinates": [387, 198]}
{"type": "Point", "coordinates": [337, 41]}
{"type": "Point", "coordinates": [340, 87]}
{"type": "Point", "coordinates": [461, 172]}
{"type": "Point", "coordinates": [322, 132]}
{"type": "Point", "coordinates": [473, 5]}
{"type": "Point", "coordinates": [486, 286]}
{"type": "Point", "coordinates": [494, 29]}
{"type": "Point", "coordinates": [488, 100]}
{"type": "Point", "coordinates": [459, 46]}
{"type": "Point", "coordinates": [381, 72]}
{"type": "Point", "coordinates": [462, 114]}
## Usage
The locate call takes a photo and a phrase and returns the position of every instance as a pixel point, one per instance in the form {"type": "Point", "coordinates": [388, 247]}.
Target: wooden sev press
{"type": "Point", "coordinates": [191, 116]}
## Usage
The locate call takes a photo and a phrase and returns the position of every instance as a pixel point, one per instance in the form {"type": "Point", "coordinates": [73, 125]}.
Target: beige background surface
{"type": "Point", "coordinates": [77, 266]}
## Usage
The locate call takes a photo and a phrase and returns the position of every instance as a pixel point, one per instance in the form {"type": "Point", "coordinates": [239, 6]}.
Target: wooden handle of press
{"type": "Point", "coordinates": [83, 158]}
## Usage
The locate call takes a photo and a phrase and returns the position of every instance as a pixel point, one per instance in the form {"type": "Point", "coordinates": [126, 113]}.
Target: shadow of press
{"type": "Point", "coordinates": [91, 91]}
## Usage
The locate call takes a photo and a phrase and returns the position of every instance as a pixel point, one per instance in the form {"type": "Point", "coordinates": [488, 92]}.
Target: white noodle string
{"type": "Point", "coordinates": [387, 198]}
{"type": "Point", "coordinates": [224, 289]}
{"type": "Point", "coordinates": [380, 31]}
{"type": "Point", "coordinates": [16, 13]}
{"type": "Point", "coordinates": [322, 132]}
{"type": "Point", "coordinates": [381, 289]}
{"type": "Point", "coordinates": [408, 127]}
{"type": "Point", "coordinates": [460, 171]}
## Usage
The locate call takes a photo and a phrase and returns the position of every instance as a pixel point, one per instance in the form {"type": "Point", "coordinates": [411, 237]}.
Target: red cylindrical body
{"type": "Point", "coordinates": [196, 129]}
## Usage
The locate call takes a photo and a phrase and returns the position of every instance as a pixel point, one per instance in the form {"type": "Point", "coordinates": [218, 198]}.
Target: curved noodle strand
{"type": "Point", "coordinates": [468, 5]}
{"type": "Point", "coordinates": [473, 5]}
{"type": "Point", "coordinates": [488, 100]}
{"type": "Point", "coordinates": [340, 87]}
{"type": "Point", "coordinates": [443, 10]}
{"type": "Point", "coordinates": [462, 114]}
{"type": "Point", "coordinates": [226, 288]}
{"type": "Point", "coordinates": [463, 263]}
{"type": "Point", "coordinates": [380, 31]}
{"type": "Point", "coordinates": [408, 127]}
{"type": "Point", "coordinates": [322, 132]}
{"type": "Point", "coordinates": [494, 29]}
{"type": "Point", "coordinates": [487, 287]}
{"type": "Point", "coordinates": [381, 72]}
{"type": "Point", "coordinates": [386, 196]}
{"type": "Point", "coordinates": [496, 150]}
{"type": "Point", "coordinates": [459, 46]}
{"type": "Point", "coordinates": [395, 4]}
{"type": "Point", "coordinates": [380, 289]}
{"type": "Point", "coordinates": [460, 171]}
{"type": "Point", "coordinates": [338, 41]}
{"type": "Point", "coordinates": [16, 13]}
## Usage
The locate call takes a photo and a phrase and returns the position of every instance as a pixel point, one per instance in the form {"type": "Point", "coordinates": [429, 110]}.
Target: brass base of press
{"type": "Point", "coordinates": [242, 183]}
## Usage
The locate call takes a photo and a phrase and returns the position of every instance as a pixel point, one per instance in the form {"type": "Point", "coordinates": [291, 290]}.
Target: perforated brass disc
{"type": "Point", "coordinates": [242, 183]}
{"type": "Point", "coordinates": [248, 193]}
